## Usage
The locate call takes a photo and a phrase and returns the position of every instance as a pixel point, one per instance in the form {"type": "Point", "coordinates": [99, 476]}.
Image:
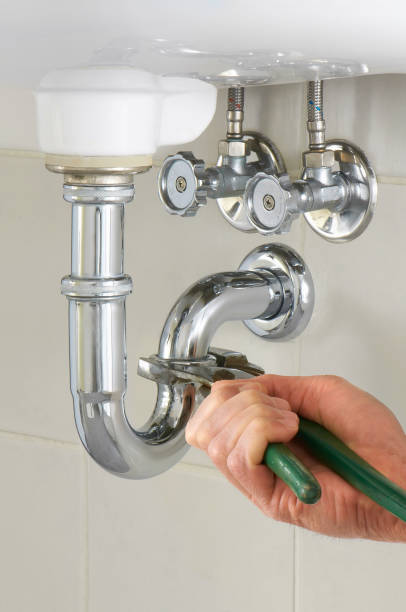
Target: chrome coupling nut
{"type": "Point", "coordinates": [96, 288]}
{"type": "Point", "coordinates": [318, 159]}
{"type": "Point", "coordinates": [234, 148]}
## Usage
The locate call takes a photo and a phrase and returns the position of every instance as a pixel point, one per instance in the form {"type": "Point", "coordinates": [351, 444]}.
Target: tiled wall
{"type": "Point", "coordinates": [75, 539]}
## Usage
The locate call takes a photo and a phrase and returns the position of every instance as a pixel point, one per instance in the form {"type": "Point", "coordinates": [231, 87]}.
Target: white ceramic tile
{"type": "Point", "coordinates": [366, 110]}
{"type": "Point", "coordinates": [358, 328]}
{"type": "Point", "coordinates": [35, 254]}
{"type": "Point", "coordinates": [369, 111]}
{"type": "Point", "coordinates": [279, 113]}
{"type": "Point", "coordinates": [42, 565]}
{"type": "Point", "coordinates": [17, 119]}
{"type": "Point", "coordinates": [184, 541]}
{"type": "Point", "coordinates": [358, 331]}
{"type": "Point", "coordinates": [350, 575]}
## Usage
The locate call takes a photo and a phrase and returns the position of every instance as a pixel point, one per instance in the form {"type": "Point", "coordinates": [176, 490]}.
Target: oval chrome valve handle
{"type": "Point", "coordinates": [267, 204]}
{"type": "Point", "coordinates": [180, 184]}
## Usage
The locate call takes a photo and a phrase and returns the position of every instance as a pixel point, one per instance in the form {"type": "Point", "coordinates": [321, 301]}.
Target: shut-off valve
{"type": "Point", "coordinates": [336, 192]}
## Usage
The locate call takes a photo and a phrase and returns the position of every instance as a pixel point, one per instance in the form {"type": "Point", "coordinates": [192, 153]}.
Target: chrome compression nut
{"type": "Point", "coordinates": [318, 159]}
{"type": "Point", "coordinates": [234, 148]}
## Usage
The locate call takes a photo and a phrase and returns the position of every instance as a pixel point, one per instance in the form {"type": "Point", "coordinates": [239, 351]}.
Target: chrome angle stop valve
{"type": "Point", "coordinates": [336, 192]}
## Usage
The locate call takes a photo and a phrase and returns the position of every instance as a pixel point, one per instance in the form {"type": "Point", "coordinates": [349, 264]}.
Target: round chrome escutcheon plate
{"type": "Point", "coordinates": [296, 285]}
{"type": "Point", "coordinates": [349, 222]}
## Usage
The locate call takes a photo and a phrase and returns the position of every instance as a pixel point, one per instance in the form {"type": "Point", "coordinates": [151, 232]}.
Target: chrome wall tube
{"type": "Point", "coordinates": [97, 290]}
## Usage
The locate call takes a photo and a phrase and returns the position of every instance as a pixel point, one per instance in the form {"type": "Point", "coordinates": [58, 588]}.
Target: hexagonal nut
{"type": "Point", "coordinates": [234, 148]}
{"type": "Point", "coordinates": [345, 157]}
{"type": "Point", "coordinates": [318, 159]}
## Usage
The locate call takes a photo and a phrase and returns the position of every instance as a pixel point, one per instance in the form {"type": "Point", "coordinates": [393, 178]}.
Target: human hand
{"type": "Point", "coordinates": [239, 419]}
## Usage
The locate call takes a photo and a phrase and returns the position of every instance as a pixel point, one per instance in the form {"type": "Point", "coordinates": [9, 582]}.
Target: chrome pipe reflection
{"type": "Point", "coordinates": [97, 290]}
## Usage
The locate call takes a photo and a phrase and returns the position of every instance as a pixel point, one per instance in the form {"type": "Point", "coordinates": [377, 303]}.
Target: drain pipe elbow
{"type": "Point", "coordinates": [97, 289]}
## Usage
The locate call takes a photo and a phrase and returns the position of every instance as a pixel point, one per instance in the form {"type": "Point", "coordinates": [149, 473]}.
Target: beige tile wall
{"type": "Point", "coordinates": [74, 538]}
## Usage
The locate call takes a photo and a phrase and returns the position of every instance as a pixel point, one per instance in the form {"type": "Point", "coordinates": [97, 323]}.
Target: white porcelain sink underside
{"type": "Point", "coordinates": [36, 37]}
{"type": "Point", "coordinates": [222, 41]}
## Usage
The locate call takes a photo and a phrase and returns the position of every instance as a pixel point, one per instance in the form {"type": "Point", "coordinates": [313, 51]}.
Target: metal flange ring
{"type": "Point", "coordinates": [296, 285]}
{"type": "Point", "coordinates": [353, 218]}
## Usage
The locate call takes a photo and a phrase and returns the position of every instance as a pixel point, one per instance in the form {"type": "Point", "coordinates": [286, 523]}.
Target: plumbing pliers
{"type": "Point", "coordinates": [326, 447]}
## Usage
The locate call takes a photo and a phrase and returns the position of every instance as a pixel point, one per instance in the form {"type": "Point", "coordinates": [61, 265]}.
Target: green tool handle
{"type": "Point", "coordinates": [280, 459]}
{"type": "Point", "coordinates": [333, 453]}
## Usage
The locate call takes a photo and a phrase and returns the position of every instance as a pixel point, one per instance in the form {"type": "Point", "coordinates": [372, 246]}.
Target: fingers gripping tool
{"type": "Point", "coordinates": [221, 364]}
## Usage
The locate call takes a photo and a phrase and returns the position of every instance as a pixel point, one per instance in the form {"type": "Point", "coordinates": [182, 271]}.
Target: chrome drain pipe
{"type": "Point", "coordinates": [97, 289]}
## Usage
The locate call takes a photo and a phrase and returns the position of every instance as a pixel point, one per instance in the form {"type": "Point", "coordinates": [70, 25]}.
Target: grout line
{"type": "Point", "coordinates": [381, 178]}
{"type": "Point", "coordinates": [391, 180]}
{"type": "Point", "coordinates": [200, 470]}
{"type": "Point", "coordinates": [296, 570]}
{"type": "Point", "coordinates": [84, 547]}
{"type": "Point", "coordinates": [84, 506]}
{"type": "Point", "coordinates": [25, 436]}
{"type": "Point", "coordinates": [86, 568]}
{"type": "Point", "coordinates": [157, 162]}
{"type": "Point", "coordinates": [26, 153]}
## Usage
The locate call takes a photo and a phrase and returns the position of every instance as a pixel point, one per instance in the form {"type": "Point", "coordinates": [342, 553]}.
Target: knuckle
{"type": "Point", "coordinates": [333, 380]}
{"type": "Point", "coordinates": [222, 394]}
{"type": "Point", "coordinates": [235, 463]}
{"type": "Point", "coordinates": [261, 411]}
{"type": "Point", "coordinates": [259, 424]}
{"type": "Point", "coordinates": [216, 451]}
{"type": "Point", "coordinates": [189, 435]}
{"type": "Point", "coordinates": [251, 396]}
{"type": "Point", "coordinates": [203, 438]}
{"type": "Point", "coordinates": [219, 384]}
{"type": "Point", "coordinates": [274, 509]}
{"type": "Point", "coordinates": [282, 404]}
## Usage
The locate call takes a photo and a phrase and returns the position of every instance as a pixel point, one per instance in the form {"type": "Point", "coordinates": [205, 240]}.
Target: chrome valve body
{"type": "Point", "coordinates": [336, 193]}
{"type": "Point", "coordinates": [185, 184]}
